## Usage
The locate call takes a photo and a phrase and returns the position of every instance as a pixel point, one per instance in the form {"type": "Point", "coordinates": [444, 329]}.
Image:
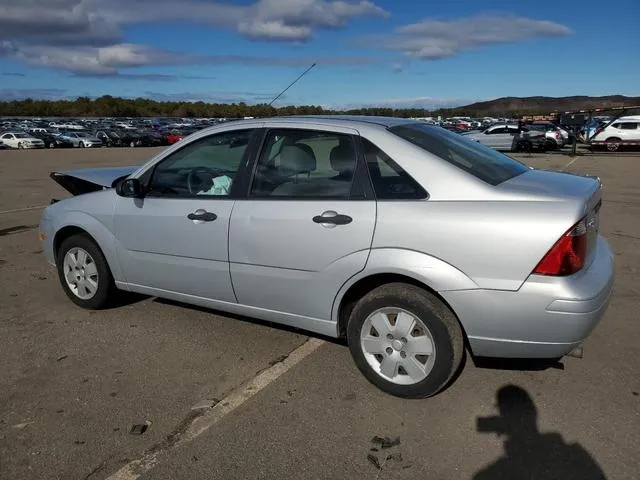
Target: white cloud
{"type": "Point", "coordinates": [85, 36]}
{"type": "Point", "coordinates": [96, 60]}
{"type": "Point", "coordinates": [436, 39]}
{"type": "Point", "coordinates": [285, 20]}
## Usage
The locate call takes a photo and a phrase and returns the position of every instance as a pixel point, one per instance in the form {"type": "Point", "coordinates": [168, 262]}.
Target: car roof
{"type": "Point", "coordinates": [629, 118]}
{"type": "Point", "coordinates": [338, 120]}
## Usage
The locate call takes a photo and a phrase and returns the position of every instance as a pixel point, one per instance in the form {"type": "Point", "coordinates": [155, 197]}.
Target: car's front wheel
{"type": "Point", "coordinates": [84, 272]}
{"type": "Point", "coordinates": [405, 340]}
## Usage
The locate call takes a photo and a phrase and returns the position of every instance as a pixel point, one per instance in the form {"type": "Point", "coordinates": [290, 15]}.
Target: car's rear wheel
{"type": "Point", "coordinates": [613, 144]}
{"type": "Point", "coordinates": [405, 340]}
{"type": "Point", "coordinates": [81, 145]}
{"type": "Point", "coordinates": [132, 144]}
{"type": "Point", "coordinates": [20, 146]}
{"type": "Point", "coordinates": [84, 272]}
{"type": "Point", "coordinates": [52, 145]}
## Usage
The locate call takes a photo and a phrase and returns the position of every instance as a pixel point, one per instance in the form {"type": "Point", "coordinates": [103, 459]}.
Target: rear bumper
{"type": "Point", "coordinates": [546, 318]}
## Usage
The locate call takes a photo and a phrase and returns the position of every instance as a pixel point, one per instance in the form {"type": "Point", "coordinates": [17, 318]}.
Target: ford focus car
{"type": "Point", "coordinates": [409, 241]}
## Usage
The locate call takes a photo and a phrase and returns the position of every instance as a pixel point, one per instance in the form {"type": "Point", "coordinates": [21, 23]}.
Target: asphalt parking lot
{"type": "Point", "coordinates": [276, 403]}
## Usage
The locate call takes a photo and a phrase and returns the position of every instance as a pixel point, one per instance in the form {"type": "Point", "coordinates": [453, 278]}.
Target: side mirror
{"type": "Point", "coordinates": [131, 188]}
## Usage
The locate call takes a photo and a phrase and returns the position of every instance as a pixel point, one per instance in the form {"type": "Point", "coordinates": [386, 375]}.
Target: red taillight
{"type": "Point", "coordinates": [568, 255]}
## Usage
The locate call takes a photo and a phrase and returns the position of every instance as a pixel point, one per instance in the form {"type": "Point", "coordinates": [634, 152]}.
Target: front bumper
{"type": "Point", "coordinates": [546, 318]}
{"type": "Point", "coordinates": [46, 236]}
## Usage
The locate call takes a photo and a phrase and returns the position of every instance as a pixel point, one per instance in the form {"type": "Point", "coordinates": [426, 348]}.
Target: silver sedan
{"type": "Point", "coordinates": [413, 243]}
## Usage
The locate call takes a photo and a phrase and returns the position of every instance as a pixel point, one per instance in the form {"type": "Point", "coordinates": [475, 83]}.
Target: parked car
{"type": "Point", "coordinates": [553, 134]}
{"type": "Point", "coordinates": [173, 137]}
{"type": "Point", "coordinates": [52, 140]}
{"type": "Point", "coordinates": [21, 140]}
{"type": "Point", "coordinates": [622, 131]}
{"type": "Point", "coordinates": [454, 129]}
{"type": "Point", "coordinates": [81, 139]}
{"type": "Point", "coordinates": [120, 138]}
{"type": "Point", "coordinates": [149, 138]}
{"type": "Point", "coordinates": [510, 138]}
{"type": "Point", "coordinates": [393, 234]}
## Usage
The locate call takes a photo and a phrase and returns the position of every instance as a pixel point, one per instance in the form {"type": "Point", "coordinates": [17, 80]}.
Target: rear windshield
{"type": "Point", "coordinates": [480, 161]}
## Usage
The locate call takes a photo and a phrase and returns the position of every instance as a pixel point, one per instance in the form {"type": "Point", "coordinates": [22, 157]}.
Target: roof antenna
{"type": "Point", "coordinates": [292, 84]}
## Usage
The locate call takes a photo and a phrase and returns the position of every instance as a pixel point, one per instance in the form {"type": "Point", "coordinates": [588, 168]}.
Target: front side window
{"type": "Point", "coordinates": [305, 163]}
{"type": "Point", "coordinates": [203, 168]}
{"type": "Point", "coordinates": [474, 158]}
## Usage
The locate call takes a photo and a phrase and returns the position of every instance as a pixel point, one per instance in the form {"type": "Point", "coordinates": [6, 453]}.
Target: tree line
{"type": "Point", "coordinates": [108, 106]}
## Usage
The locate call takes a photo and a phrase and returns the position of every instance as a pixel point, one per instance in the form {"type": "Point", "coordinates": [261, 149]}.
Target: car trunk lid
{"type": "Point", "coordinates": [585, 190]}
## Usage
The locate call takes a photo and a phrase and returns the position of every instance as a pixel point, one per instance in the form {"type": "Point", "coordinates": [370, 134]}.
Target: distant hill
{"type": "Point", "coordinates": [518, 106]}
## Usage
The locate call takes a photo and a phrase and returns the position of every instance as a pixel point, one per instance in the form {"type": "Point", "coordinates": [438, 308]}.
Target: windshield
{"type": "Point", "coordinates": [479, 160]}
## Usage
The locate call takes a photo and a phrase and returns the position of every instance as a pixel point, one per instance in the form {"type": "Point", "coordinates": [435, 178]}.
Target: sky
{"type": "Point", "coordinates": [400, 53]}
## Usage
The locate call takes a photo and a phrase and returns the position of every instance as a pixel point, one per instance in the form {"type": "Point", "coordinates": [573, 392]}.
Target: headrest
{"type": "Point", "coordinates": [295, 159]}
{"type": "Point", "coordinates": [343, 159]}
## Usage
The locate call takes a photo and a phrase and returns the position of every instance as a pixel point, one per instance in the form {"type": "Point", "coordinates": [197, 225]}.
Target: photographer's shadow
{"type": "Point", "coordinates": [530, 454]}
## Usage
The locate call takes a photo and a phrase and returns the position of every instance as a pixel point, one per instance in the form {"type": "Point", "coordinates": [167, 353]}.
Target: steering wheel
{"type": "Point", "coordinates": [195, 182]}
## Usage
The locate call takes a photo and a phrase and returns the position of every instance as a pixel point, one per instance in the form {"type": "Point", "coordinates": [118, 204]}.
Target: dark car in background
{"type": "Point", "coordinates": [150, 138]}
{"type": "Point", "coordinates": [52, 140]}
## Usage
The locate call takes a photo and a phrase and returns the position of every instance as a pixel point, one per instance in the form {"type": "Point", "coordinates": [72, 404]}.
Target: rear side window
{"type": "Point", "coordinates": [628, 126]}
{"type": "Point", "coordinates": [390, 181]}
{"type": "Point", "coordinates": [474, 158]}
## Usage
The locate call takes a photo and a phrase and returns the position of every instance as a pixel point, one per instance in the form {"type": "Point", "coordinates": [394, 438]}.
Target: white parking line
{"type": "Point", "coordinates": [571, 162]}
{"type": "Point", "coordinates": [16, 210]}
{"type": "Point", "coordinates": [136, 468]}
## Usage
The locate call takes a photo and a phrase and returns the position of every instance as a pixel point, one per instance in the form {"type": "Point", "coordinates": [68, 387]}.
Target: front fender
{"type": "Point", "coordinates": [98, 231]}
{"type": "Point", "coordinates": [430, 271]}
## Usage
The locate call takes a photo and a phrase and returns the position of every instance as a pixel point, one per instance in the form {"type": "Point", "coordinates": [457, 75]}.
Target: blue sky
{"type": "Point", "coordinates": [384, 52]}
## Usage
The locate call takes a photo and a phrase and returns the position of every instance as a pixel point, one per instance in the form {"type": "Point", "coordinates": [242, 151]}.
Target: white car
{"type": "Point", "coordinates": [81, 139]}
{"type": "Point", "coordinates": [553, 134]}
{"type": "Point", "coordinates": [510, 138]}
{"type": "Point", "coordinates": [20, 140]}
{"type": "Point", "coordinates": [623, 131]}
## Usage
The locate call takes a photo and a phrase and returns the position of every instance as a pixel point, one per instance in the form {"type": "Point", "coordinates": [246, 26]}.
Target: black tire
{"type": "Point", "coordinates": [52, 145]}
{"type": "Point", "coordinates": [106, 287]}
{"type": "Point", "coordinates": [132, 144]}
{"type": "Point", "coordinates": [613, 144]}
{"type": "Point", "coordinates": [442, 324]}
{"type": "Point", "coordinates": [20, 146]}
{"type": "Point", "coordinates": [81, 145]}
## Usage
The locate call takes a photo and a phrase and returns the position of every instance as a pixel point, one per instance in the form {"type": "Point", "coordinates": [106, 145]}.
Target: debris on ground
{"type": "Point", "coordinates": [386, 442]}
{"type": "Point", "coordinates": [140, 428]}
{"type": "Point", "coordinates": [374, 460]}
{"type": "Point", "coordinates": [59, 359]}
